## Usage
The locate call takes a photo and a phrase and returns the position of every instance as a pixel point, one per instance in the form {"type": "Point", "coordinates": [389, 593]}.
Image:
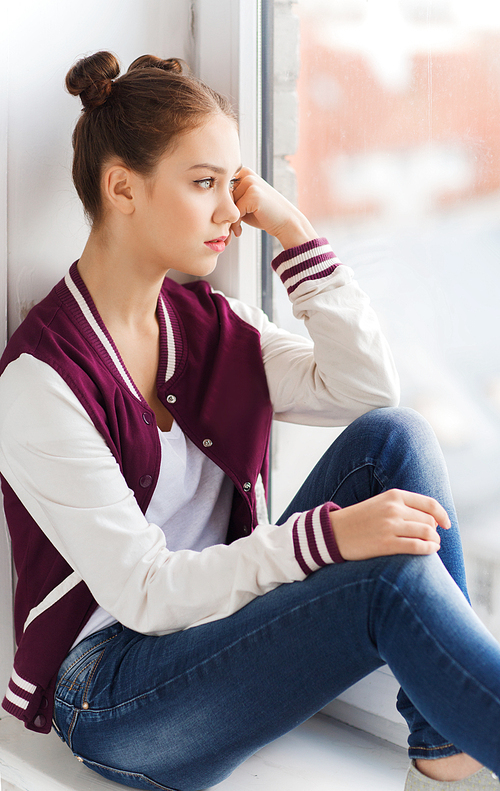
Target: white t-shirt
{"type": "Point", "coordinates": [191, 503]}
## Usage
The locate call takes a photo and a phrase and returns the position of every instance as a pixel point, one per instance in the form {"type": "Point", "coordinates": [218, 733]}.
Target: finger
{"type": "Point", "coordinates": [414, 515]}
{"type": "Point", "coordinates": [249, 200]}
{"type": "Point", "coordinates": [413, 546]}
{"type": "Point", "coordinates": [244, 172]}
{"type": "Point", "coordinates": [246, 178]}
{"type": "Point", "coordinates": [427, 505]}
{"type": "Point", "coordinates": [236, 228]}
{"type": "Point", "coordinates": [420, 531]}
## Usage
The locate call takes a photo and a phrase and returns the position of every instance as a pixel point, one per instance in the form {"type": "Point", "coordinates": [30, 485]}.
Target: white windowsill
{"type": "Point", "coordinates": [321, 754]}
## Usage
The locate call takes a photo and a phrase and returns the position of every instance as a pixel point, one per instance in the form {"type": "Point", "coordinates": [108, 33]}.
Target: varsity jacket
{"type": "Point", "coordinates": [80, 454]}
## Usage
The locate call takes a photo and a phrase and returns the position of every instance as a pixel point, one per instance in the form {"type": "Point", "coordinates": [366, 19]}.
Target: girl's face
{"type": "Point", "coordinates": [186, 210]}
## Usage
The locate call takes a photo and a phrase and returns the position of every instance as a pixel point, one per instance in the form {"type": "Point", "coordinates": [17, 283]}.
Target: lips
{"type": "Point", "coordinates": [217, 245]}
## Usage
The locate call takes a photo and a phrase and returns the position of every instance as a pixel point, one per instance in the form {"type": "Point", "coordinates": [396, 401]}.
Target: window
{"type": "Point", "coordinates": [386, 130]}
{"type": "Point", "coordinates": [396, 159]}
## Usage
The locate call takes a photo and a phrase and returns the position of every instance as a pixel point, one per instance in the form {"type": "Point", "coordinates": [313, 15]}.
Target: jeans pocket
{"type": "Point", "coordinates": [75, 682]}
{"type": "Point", "coordinates": [133, 779]}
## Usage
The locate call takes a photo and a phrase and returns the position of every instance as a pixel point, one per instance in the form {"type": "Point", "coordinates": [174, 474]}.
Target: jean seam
{"type": "Point", "coordinates": [371, 463]}
{"type": "Point", "coordinates": [435, 747]}
{"type": "Point", "coordinates": [71, 728]}
{"type": "Point", "coordinates": [124, 773]}
{"type": "Point", "coordinates": [91, 676]}
{"type": "Point", "coordinates": [107, 640]}
{"type": "Point", "coordinates": [74, 685]}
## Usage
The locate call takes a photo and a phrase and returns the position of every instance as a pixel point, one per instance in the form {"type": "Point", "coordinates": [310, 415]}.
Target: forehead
{"type": "Point", "coordinates": [215, 141]}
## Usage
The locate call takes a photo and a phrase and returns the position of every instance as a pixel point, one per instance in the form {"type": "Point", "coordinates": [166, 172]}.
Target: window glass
{"type": "Point", "coordinates": [397, 162]}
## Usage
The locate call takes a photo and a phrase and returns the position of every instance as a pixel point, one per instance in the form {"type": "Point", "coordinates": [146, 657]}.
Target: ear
{"type": "Point", "coordinates": [119, 188]}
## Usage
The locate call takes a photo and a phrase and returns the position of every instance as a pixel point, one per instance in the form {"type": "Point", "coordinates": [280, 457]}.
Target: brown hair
{"type": "Point", "coordinates": [135, 117]}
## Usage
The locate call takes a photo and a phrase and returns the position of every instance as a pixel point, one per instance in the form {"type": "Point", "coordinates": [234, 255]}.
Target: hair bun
{"type": "Point", "coordinates": [91, 78]}
{"type": "Point", "coordinates": [175, 65]}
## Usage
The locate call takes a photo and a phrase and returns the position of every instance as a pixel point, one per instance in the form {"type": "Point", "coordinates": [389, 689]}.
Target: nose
{"type": "Point", "coordinates": [226, 210]}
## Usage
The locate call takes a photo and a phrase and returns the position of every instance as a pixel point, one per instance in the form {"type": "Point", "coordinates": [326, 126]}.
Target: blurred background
{"type": "Point", "coordinates": [396, 159]}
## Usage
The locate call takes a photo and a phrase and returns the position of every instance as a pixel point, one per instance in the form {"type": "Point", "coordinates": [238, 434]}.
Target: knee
{"type": "Point", "coordinates": [403, 445]}
{"type": "Point", "coordinates": [403, 425]}
{"type": "Point", "coordinates": [397, 418]}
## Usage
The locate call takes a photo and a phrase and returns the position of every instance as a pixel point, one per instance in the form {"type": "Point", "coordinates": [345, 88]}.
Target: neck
{"type": "Point", "coordinates": [119, 281]}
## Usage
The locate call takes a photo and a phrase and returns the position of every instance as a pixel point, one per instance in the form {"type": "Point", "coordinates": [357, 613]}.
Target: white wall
{"type": "Point", "coordinates": [46, 229]}
{"type": "Point", "coordinates": [42, 229]}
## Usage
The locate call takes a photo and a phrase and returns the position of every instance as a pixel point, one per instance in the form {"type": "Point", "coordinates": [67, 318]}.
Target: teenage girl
{"type": "Point", "coordinates": [163, 626]}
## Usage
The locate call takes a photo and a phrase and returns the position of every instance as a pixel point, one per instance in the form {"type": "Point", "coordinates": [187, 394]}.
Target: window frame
{"type": "Point", "coordinates": [227, 58]}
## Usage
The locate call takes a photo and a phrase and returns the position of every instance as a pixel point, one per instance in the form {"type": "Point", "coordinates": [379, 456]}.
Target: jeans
{"type": "Point", "coordinates": [181, 711]}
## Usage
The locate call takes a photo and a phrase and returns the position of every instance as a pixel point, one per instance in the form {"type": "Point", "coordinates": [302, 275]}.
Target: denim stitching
{"type": "Point", "coordinates": [382, 483]}
{"type": "Point", "coordinates": [74, 685]}
{"type": "Point", "coordinates": [436, 747]}
{"type": "Point", "coordinates": [81, 657]}
{"type": "Point", "coordinates": [124, 773]}
{"type": "Point", "coordinates": [91, 676]}
{"type": "Point", "coordinates": [71, 728]}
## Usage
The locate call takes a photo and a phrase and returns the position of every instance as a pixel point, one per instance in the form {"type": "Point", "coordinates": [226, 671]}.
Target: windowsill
{"type": "Point", "coordinates": [317, 754]}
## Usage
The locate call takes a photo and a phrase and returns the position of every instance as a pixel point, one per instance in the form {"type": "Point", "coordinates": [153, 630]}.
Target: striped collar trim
{"type": "Point", "coordinates": [170, 335]}
{"type": "Point", "coordinates": [91, 323]}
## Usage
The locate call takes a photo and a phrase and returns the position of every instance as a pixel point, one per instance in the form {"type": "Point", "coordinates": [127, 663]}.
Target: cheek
{"type": "Point", "coordinates": [191, 213]}
{"type": "Point", "coordinates": [175, 214]}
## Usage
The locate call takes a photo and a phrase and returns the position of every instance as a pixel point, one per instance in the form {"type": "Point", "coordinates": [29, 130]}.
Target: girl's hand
{"type": "Point", "coordinates": [392, 523]}
{"type": "Point", "coordinates": [263, 207]}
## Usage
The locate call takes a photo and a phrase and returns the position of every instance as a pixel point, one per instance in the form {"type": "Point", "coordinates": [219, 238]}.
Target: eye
{"type": "Point", "coordinates": [233, 184]}
{"type": "Point", "coordinates": [207, 183]}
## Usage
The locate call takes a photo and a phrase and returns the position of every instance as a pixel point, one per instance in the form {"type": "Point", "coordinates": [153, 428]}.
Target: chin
{"type": "Point", "coordinates": [207, 268]}
{"type": "Point", "coordinates": [201, 269]}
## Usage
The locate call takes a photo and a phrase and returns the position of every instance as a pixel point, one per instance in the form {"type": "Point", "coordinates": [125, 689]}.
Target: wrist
{"type": "Point", "coordinates": [295, 232]}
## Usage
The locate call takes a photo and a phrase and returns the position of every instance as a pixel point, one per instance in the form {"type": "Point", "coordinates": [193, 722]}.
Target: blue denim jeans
{"type": "Point", "coordinates": [181, 711]}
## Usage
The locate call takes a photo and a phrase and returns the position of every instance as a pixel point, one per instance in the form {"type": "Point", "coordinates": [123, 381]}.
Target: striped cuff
{"type": "Point", "coordinates": [18, 696]}
{"type": "Point", "coordinates": [29, 703]}
{"type": "Point", "coordinates": [314, 543]}
{"type": "Point", "coordinates": [309, 261]}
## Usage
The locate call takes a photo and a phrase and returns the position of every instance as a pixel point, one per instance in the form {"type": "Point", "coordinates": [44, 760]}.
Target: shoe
{"type": "Point", "coordinates": [483, 780]}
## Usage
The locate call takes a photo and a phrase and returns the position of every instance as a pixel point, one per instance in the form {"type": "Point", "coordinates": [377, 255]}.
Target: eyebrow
{"type": "Point", "coordinates": [213, 168]}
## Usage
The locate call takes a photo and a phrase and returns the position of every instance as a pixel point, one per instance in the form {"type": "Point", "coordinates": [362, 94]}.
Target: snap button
{"type": "Point", "coordinates": [171, 399]}
{"type": "Point", "coordinates": [85, 705]}
{"type": "Point", "coordinates": [145, 481]}
{"type": "Point", "coordinates": [146, 418]}
{"type": "Point", "coordinates": [44, 703]}
{"type": "Point", "coordinates": [247, 486]}
{"type": "Point", "coordinates": [79, 759]}
{"type": "Point", "coordinates": [207, 443]}
{"type": "Point", "coordinates": [245, 530]}
{"type": "Point", "coordinates": [39, 721]}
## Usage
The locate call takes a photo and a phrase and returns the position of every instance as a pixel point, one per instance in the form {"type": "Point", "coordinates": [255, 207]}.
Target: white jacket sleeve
{"type": "Point", "coordinates": [65, 475]}
{"type": "Point", "coordinates": [346, 368]}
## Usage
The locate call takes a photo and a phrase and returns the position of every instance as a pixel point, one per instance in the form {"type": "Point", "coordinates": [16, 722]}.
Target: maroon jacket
{"type": "Point", "coordinates": [218, 379]}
